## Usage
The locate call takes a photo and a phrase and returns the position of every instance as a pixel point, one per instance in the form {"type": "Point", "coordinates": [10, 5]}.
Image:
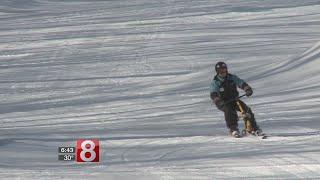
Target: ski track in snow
{"type": "Point", "coordinates": [135, 74]}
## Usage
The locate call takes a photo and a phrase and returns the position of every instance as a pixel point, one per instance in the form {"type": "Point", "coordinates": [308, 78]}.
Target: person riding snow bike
{"type": "Point", "coordinates": [224, 93]}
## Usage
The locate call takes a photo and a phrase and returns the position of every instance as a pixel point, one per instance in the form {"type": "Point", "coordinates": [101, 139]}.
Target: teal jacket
{"type": "Point", "coordinates": [226, 88]}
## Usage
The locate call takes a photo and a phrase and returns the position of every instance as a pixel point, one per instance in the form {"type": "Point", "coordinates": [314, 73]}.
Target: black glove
{"type": "Point", "coordinates": [220, 104]}
{"type": "Point", "coordinates": [249, 91]}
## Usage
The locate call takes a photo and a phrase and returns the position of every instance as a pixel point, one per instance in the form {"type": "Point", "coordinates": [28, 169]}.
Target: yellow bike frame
{"type": "Point", "coordinates": [246, 120]}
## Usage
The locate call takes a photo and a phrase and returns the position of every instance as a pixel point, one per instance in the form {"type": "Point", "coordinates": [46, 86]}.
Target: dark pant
{"type": "Point", "coordinates": [231, 116]}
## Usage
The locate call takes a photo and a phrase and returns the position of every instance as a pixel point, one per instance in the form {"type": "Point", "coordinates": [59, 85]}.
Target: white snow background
{"type": "Point", "coordinates": [135, 74]}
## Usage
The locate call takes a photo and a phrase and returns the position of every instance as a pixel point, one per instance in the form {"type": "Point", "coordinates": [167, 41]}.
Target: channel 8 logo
{"type": "Point", "coordinates": [88, 150]}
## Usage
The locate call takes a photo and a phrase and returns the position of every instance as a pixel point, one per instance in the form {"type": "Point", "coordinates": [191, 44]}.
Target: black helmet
{"type": "Point", "coordinates": [220, 65]}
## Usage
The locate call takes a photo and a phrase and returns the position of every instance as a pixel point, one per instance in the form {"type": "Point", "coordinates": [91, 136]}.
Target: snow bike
{"type": "Point", "coordinates": [248, 129]}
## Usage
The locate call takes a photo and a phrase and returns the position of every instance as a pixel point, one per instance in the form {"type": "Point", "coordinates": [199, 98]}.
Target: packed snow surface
{"type": "Point", "coordinates": [135, 74]}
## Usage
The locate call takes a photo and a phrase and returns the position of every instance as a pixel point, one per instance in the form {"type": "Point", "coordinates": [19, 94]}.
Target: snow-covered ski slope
{"type": "Point", "coordinates": [136, 73]}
